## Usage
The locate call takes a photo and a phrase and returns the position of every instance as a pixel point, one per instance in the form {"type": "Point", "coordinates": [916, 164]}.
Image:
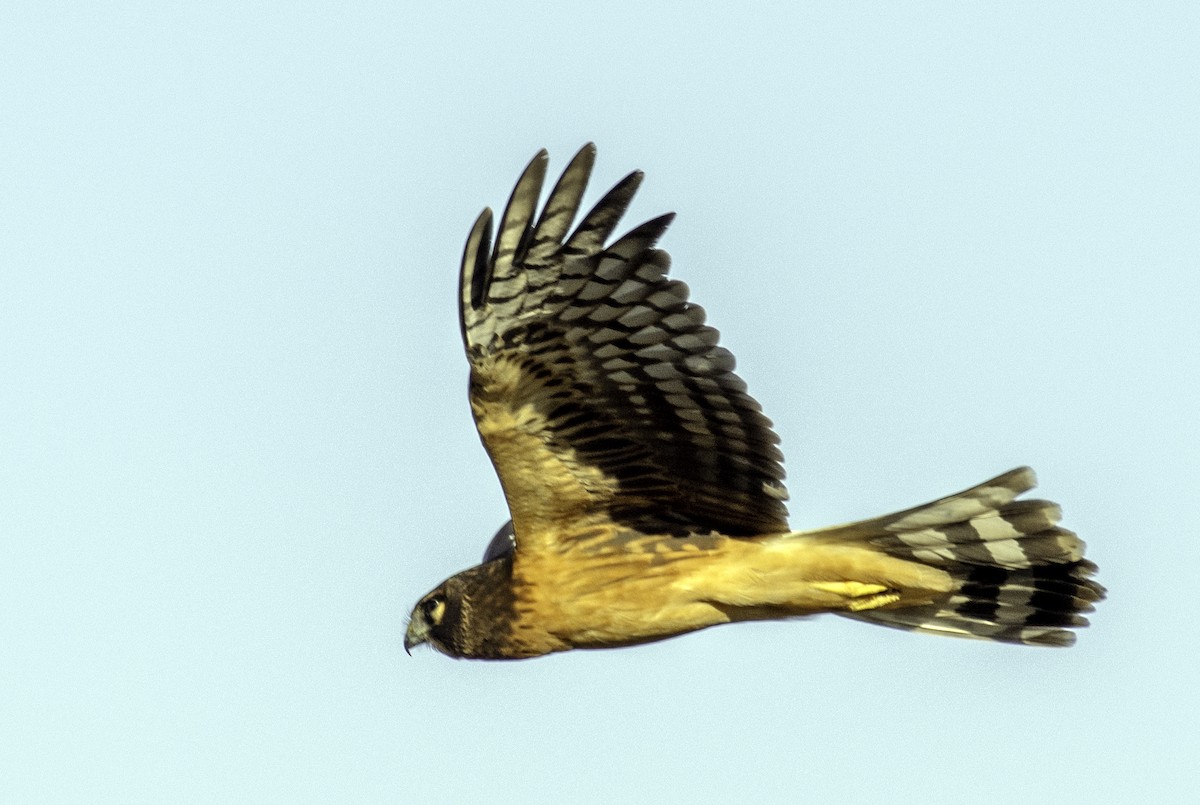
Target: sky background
{"type": "Point", "coordinates": [943, 240]}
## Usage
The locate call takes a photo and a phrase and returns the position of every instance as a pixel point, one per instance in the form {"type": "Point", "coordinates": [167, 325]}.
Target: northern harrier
{"type": "Point", "coordinates": [645, 485]}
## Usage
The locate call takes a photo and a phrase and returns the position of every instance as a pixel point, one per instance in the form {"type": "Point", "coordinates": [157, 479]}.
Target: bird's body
{"type": "Point", "coordinates": [623, 589]}
{"type": "Point", "coordinates": [645, 485]}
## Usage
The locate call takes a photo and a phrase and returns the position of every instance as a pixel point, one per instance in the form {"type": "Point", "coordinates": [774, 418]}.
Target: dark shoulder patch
{"type": "Point", "coordinates": [502, 544]}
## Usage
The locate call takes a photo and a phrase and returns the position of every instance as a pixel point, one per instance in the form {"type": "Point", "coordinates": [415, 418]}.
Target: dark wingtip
{"type": "Point", "coordinates": [476, 271]}
{"type": "Point", "coordinates": [502, 544]}
{"type": "Point", "coordinates": [596, 227]}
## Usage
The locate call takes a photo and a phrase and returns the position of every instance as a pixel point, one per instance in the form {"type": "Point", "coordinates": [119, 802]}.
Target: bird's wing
{"type": "Point", "coordinates": [599, 392]}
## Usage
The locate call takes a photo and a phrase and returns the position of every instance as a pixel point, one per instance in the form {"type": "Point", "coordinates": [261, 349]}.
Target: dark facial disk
{"type": "Point", "coordinates": [428, 621]}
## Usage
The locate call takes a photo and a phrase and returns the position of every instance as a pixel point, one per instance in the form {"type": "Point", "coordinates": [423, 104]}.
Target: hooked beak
{"type": "Point", "coordinates": [418, 633]}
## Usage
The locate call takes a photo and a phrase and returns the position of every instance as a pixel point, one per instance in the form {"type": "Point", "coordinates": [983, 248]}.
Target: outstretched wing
{"type": "Point", "coordinates": [598, 390]}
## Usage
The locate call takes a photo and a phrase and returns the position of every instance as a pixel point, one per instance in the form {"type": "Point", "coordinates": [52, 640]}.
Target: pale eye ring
{"type": "Point", "coordinates": [433, 609]}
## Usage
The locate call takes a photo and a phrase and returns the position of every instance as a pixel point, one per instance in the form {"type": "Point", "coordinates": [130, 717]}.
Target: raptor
{"type": "Point", "coordinates": [646, 486]}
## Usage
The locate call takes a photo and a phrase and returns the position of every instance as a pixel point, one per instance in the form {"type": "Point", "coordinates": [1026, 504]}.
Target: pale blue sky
{"type": "Point", "coordinates": [943, 240]}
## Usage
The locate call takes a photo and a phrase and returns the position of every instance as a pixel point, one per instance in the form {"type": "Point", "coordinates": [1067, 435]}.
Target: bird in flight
{"type": "Point", "coordinates": [646, 486]}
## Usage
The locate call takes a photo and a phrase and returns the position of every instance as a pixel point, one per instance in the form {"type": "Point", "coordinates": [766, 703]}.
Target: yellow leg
{"type": "Point", "coordinates": [859, 596]}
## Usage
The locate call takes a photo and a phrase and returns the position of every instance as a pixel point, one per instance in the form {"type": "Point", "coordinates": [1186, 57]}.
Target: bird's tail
{"type": "Point", "coordinates": [1019, 577]}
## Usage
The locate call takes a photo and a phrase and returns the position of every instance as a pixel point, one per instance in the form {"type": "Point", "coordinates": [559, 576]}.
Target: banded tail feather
{"type": "Point", "coordinates": [1021, 578]}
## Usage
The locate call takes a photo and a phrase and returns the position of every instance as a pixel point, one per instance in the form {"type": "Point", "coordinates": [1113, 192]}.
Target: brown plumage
{"type": "Point", "coordinates": [645, 484]}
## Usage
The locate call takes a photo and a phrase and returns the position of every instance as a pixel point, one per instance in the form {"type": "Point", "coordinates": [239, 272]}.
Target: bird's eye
{"type": "Point", "coordinates": [434, 608]}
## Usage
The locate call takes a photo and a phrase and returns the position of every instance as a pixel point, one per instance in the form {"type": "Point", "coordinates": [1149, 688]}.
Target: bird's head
{"type": "Point", "coordinates": [436, 618]}
{"type": "Point", "coordinates": [468, 614]}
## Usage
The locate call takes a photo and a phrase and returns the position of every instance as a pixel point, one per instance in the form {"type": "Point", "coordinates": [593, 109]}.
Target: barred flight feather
{"type": "Point", "coordinates": [619, 368]}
